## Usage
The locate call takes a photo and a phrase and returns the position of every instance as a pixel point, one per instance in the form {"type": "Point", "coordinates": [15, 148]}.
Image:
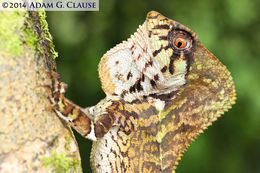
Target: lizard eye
{"type": "Point", "coordinates": [181, 43]}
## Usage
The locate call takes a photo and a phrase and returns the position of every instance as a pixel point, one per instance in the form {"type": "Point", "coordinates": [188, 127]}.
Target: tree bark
{"type": "Point", "coordinates": [32, 137]}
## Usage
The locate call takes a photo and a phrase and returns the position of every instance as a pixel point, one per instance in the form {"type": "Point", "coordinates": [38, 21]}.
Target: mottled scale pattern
{"type": "Point", "coordinates": [163, 88]}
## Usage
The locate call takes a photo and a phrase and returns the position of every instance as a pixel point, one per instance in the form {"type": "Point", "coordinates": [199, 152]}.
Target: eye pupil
{"type": "Point", "coordinates": [180, 43]}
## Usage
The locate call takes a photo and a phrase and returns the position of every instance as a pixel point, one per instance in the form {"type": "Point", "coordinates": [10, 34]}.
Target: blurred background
{"type": "Point", "coordinates": [228, 28]}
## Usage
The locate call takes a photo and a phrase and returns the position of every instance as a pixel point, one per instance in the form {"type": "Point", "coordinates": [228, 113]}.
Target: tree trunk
{"type": "Point", "coordinates": [32, 137]}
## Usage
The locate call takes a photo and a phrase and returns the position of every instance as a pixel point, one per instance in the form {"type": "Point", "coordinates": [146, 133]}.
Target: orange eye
{"type": "Point", "coordinates": [180, 42]}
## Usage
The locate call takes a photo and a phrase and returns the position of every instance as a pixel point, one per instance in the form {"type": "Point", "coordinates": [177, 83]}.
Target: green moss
{"type": "Point", "coordinates": [60, 163]}
{"type": "Point", "coordinates": [36, 38]}
{"type": "Point", "coordinates": [17, 28]}
{"type": "Point", "coordinates": [10, 27]}
{"type": "Point", "coordinates": [29, 36]}
{"type": "Point", "coordinates": [47, 35]}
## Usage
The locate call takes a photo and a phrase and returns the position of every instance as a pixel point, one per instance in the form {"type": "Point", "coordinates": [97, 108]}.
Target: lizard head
{"type": "Point", "coordinates": [156, 62]}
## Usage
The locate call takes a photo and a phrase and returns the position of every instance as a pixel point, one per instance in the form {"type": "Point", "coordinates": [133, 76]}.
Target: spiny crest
{"type": "Point", "coordinates": [152, 63]}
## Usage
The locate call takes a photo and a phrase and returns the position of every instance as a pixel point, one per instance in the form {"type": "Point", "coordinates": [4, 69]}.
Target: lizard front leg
{"type": "Point", "coordinates": [82, 120]}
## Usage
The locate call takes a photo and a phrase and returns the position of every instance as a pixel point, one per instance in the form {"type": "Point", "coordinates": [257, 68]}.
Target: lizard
{"type": "Point", "coordinates": [163, 88]}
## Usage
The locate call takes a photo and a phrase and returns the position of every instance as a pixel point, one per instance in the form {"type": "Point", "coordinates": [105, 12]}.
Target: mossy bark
{"type": "Point", "coordinates": [32, 137]}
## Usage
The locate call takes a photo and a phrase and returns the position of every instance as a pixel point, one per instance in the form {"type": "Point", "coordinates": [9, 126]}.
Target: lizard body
{"type": "Point", "coordinates": [163, 88]}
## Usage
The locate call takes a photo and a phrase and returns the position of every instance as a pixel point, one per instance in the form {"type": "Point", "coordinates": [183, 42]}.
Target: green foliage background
{"type": "Point", "coordinates": [228, 28]}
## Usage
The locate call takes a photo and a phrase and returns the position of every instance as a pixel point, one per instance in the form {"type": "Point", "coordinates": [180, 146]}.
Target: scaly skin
{"type": "Point", "coordinates": [160, 97]}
